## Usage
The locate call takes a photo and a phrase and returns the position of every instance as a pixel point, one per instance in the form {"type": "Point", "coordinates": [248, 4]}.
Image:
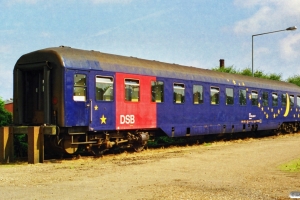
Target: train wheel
{"type": "Point", "coordinates": [138, 147]}
{"type": "Point", "coordinates": [141, 142]}
{"type": "Point", "coordinates": [52, 147]}
{"type": "Point", "coordinates": [68, 147]}
{"type": "Point", "coordinates": [97, 152]}
{"type": "Point", "coordinates": [277, 131]}
{"type": "Point", "coordinates": [289, 128]}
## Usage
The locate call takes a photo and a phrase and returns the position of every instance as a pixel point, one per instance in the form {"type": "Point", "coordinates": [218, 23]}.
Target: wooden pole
{"type": "Point", "coordinates": [35, 145]}
{"type": "Point", "coordinates": [6, 145]}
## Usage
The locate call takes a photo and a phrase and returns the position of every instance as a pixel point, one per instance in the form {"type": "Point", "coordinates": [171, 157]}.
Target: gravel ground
{"type": "Point", "coordinates": [240, 169]}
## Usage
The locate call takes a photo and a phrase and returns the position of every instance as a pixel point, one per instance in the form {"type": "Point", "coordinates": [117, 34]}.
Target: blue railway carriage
{"type": "Point", "coordinates": [101, 100]}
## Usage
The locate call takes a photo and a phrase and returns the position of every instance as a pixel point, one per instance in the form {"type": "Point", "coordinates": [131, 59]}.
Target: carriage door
{"type": "Point", "coordinates": [102, 100]}
{"type": "Point", "coordinates": [77, 102]}
{"type": "Point", "coordinates": [34, 97]}
{"type": "Point", "coordinates": [32, 93]}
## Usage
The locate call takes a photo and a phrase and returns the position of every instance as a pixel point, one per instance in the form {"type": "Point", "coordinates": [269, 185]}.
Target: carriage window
{"type": "Point", "coordinates": [178, 92]}
{"type": "Point", "coordinates": [292, 99]}
{"type": "Point", "coordinates": [242, 97]}
{"type": "Point", "coordinates": [254, 98]}
{"type": "Point", "coordinates": [298, 101]}
{"type": "Point", "coordinates": [265, 98]}
{"type": "Point", "coordinates": [198, 94]}
{"type": "Point", "coordinates": [274, 99]}
{"type": "Point", "coordinates": [104, 88]}
{"type": "Point", "coordinates": [132, 90]}
{"type": "Point", "coordinates": [229, 96]}
{"type": "Point", "coordinates": [157, 91]}
{"type": "Point", "coordinates": [283, 100]}
{"type": "Point", "coordinates": [214, 95]}
{"type": "Point", "coordinates": [79, 93]}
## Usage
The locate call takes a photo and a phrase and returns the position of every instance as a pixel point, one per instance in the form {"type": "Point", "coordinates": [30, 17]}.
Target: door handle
{"type": "Point", "coordinates": [91, 110]}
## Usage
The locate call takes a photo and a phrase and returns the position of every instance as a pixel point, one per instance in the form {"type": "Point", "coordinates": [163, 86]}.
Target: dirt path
{"type": "Point", "coordinates": [245, 169]}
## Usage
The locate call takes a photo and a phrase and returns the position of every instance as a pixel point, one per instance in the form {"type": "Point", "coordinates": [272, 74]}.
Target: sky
{"type": "Point", "coordinates": [187, 32]}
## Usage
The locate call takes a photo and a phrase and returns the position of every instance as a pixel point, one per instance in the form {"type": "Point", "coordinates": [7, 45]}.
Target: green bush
{"type": "Point", "coordinates": [20, 141]}
{"type": "Point", "coordinates": [5, 116]}
{"type": "Point", "coordinates": [248, 72]}
{"type": "Point", "coordinates": [20, 145]}
{"type": "Point", "coordinates": [294, 79]}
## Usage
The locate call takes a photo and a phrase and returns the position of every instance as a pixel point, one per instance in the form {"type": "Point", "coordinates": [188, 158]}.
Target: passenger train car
{"type": "Point", "coordinates": [101, 100]}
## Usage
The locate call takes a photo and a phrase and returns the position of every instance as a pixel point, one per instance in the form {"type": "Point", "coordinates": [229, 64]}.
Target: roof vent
{"type": "Point", "coordinates": [62, 46]}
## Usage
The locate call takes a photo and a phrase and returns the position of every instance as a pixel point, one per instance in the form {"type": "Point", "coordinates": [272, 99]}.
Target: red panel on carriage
{"type": "Point", "coordinates": [134, 108]}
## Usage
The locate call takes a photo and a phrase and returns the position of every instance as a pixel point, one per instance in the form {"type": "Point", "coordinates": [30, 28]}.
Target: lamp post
{"type": "Point", "coordinates": [292, 28]}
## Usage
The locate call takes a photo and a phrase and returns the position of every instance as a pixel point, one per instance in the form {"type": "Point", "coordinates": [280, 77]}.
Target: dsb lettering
{"type": "Point", "coordinates": [127, 119]}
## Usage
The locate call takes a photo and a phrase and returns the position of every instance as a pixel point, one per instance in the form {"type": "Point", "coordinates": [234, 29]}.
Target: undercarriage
{"type": "Point", "coordinates": [97, 143]}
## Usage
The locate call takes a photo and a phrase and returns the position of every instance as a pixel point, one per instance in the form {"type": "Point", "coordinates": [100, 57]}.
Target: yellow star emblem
{"type": "Point", "coordinates": [96, 107]}
{"type": "Point", "coordinates": [103, 119]}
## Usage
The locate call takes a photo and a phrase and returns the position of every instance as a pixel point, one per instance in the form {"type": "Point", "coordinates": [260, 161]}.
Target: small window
{"type": "Point", "coordinates": [242, 97]}
{"type": "Point", "coordinates": [178, 92]}
{"type": "Point", "coordinates": [104, 88]}
{"type": "Point", "coordinates": [292, 100]}
{"type": "Point", "coordinates": [283, 100]}
{"type": "Point", "coordinates": [265, 98]}
{"type": "Point", "coordinates": [214, 95]}
{"type": "Point", "coordinates": [229, 96]}
{"type": "Point", "coordinates": [298, 101]}
{"type": "Point", "coordinates": [254, 98]}
{"type": "Point", "coordinates": [198, 94]}
{"type": "Point", "coordinates": [132, 90]}
{"type": "Point", "coordinates": [79, 93]}
{"type": "Point", "coordinates": [157, 91]}
{"type": "Point", "coordinates": [274, 99]}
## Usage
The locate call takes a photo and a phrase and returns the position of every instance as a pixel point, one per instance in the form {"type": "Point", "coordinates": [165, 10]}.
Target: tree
{"type": "Point", "coordinates": [230, 69]}
{"type": "Point", "coordinates": [20, 140]}
{"type": "Point", "coordinates": [5, 116]}
{"type": "Point", "coordinates": [248, 72]}
{"type": "Point", "coordinates": [294, 79]}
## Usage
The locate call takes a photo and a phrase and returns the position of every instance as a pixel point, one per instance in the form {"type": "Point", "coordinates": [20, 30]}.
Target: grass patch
{"type": "Point", "coordinates": [291, 166]}
{"type": "Point", "coordinates": [207, 144]}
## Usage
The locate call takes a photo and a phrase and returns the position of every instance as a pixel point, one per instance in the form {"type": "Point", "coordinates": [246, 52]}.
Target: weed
{"type": "Point", "coordinates": [291, 166]}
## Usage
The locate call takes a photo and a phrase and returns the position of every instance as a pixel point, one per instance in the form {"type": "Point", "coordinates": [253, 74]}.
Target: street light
{"type": "Point", "coordinates": [292, 28]}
